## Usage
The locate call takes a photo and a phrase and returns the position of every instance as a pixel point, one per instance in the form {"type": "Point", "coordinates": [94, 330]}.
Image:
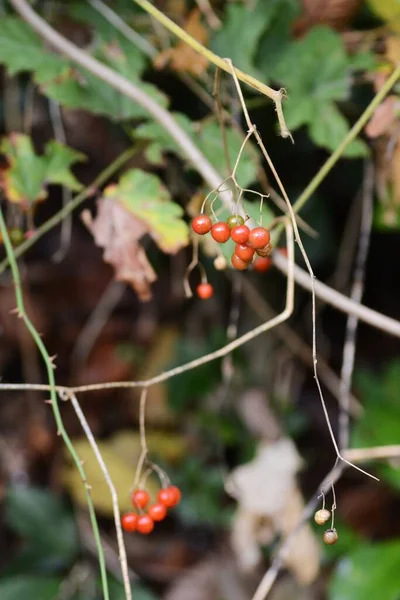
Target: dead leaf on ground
{"type": "Point", "coordinates": [383, 119]}
{"type": "Point", "coordinates": [335, 13]}
{"type": "Point", "coordinates": [182, 58]}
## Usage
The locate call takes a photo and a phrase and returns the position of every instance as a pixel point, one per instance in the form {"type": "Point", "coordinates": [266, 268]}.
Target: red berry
{"type": "Point", "coordinates": [259, 238]}
{"type": "Point", "coordinates": [201, 224]}
{"type": "Point", "coordinates": [221, 232]}
{"type": "Point", "coordinates": [145, 524]}
{"type": "Point", "coordinates": [238, 263]}
{"type": "Point", "coordinates": [157, 512]}
{"type": "Point", "coordinates": [129, 522]}
{"type": "Point", "coordinates": [262, 264]}
{"type": "Point", "coordinates": [234, 221]}
{"type": "Point", "coordinates": [177, 494]}
{"type": "Point", "coordinates": [244, 252]}
{"type": "Point", "coordinates": [240, 234]}
{"type": "Point", "coordinates": [167, 497]}
{"type": "Point", "coordinates": [205, 291]}
{"type": "Point", "coordinates": [140, 498]}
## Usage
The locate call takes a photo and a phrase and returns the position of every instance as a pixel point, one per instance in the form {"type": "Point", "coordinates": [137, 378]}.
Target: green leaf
{"type": "Point", "coordinates": [277, 36]}
{"type": "Point", "coordinates": [36, 514]}
{"type": "Point", "coordinates": [207, 137]}
{"type": "Point", "coordinates": [139, 592]}
{"type": "Point", "coordinates": [369, 572]}
{"type": "Point", "coordinates": [34, 588]}
{"type": "Point", "coordinates": [147, 199]}
{"type": "Point", "coordinates": [25, 180]}
{"type": "Point", "coordinates": [328, 128]}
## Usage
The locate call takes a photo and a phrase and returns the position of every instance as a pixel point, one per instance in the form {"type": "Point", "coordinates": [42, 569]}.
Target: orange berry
{"type": "Point", "coordinates": [205, 291]}
{"type": "Point", "coordinates": [129, 522]}
{"type": "Point", "coordinates": [157, 512]}
{"type": "Point", "coordinates": [140, 498]}
{"type": "Point", "coordinates": [238, 263]}
{"type": "Point", "coordinates": [145, 524]}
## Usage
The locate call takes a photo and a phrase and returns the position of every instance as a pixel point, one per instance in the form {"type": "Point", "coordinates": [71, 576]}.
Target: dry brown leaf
{"type": "Point", "coordinates": [118, 231]}
{"type": "Point", "coordinates": [335, 13]}
{"type": "Point", "coordinates": [182, 58]}
{"type": "Point", "coordinates": [383, 119]}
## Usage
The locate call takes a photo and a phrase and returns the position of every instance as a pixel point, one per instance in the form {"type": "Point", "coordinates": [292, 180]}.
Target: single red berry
{"type": "Point", "coordinates": [166, 496]}
{"type": "Point", "coordinates": [240, 234]}
{"type": "Point", "coordinates": [201, 224]}
{"type": "Point", "coordinates": [244, 252]}
{"type": "Point", "coordinates": [234, 221]}
{"type": "Point", "coordinates": [177, 494]}
{"type": "Point", "coordinates": [205, 291]}
{"type": "Point", "coordinates": [259, 237]}
{"type": "Point", "coordinates": [129, 522]}
{"type": "Point", "coordinates": [145, 524]}
{"type": "Point", "coordinates": [140, 498]}
{"type": "Point", "coordinates": [238, 263]}
{"type": "Point", "coordinates": [262, 264]}
{"type": "Point", "coordinates": [157, 512]}
{"type": "Point", "coordinates": [220, 232]}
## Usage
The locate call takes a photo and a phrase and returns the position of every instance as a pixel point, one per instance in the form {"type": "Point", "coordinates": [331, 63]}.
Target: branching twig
{"type": "Point", "coordinates": [21, 313]}
{"type": "Point", "coordinates": [356, 294]}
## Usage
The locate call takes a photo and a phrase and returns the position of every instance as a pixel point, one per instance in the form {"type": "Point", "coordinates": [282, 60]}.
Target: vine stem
{"type": "Point", "coordinates": [275, 95]}
{"type": "Point", "coordinates": [48, 360]}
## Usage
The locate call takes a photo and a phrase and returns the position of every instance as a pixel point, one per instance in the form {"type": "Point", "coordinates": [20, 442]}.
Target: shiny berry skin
{"type": "Point", "coordinates": [262, 264]}
{"type": "Point", "coordinates": [322, 516]}
{"type": "Point", "coordinates": [129, 522]}
{"type": "Point", "coordinates": [330, 537]}
{"type": "Point", "coordinates": [145, 524]}
{"type": "Point", "coordinates": [201, 224]}
{"type": "Point", "coordinates": [238, 263]}
{"type": "Point", "coordinates": [176, 493]}
{"type": "Point", "coordinates": [140, 498]}
{"type": "Point", "coordinates": [235, 221]}
{"type": "Point", "coordinates": [220, 232]}
{"type": "Point", "coordinates": [259, 237]}
{"type": "Point", "coordinates": [157, 512]}
{"type": "Point", "coordinates": [205, 291]}
{"type": "Point", "coordinates": [240, 234]}
{"type": "Point", "coordinates": [166, 496]}
{"type": "Point", "coordinates": [244, 252]}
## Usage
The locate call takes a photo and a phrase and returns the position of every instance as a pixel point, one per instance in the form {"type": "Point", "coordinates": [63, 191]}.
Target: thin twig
{"type": "Point", "coordinates": [21, 313]}
{"type": "Point", "coordinates": [357, 290]}
{"type": "Point", "coordinates": [374, 453]}
{"type": "Point", "coordinates": [68, 395]}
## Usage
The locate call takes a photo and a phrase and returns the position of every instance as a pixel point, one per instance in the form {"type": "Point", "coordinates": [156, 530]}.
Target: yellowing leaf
{"type": "Point", "coordinates": [388, 11]}
{"type": "Point", "coordinates": [145, 197]}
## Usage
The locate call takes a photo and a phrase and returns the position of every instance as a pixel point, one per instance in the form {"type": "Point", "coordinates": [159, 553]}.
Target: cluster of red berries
{"type": "Point", "coordinates": [248, 243]}
{"type": "Point", "coordinates": [143, 522]}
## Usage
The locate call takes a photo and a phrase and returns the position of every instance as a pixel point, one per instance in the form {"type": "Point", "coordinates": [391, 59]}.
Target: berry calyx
{"type": "Point", "coordinates": [259, 237]}
{"type": "Point", "coordinates": [201, 224]}
{"type": "Point", "coordinates": [140, 498]}
{"type": "Point", "coordinates": [238, 263]}
{"type": "Point", "coordinates": [322, 516]}
{"type": "Point", "coordinates": [264, 252]}
{"type": "Point", "coordinates": [166, 496]}
{"type": "Point", "coordinates": [205, 291]}
{"type": "Point", "coordinates": [157, 512]}
{"type": "Point", "coordinates": [262, 264]}
{"type": "Point", "coordinates": [176, 494]}
{"type": "Point", "coordinates": [330, 537]}
{"type": "Point", "coordinates": [235, 221]}
{"type": "Point", "coordinates": [221, 232]}
{"type": "Point", "coordinates": [129, 522]}
{"type": "Point", "coordinates": [145, 524]}
{"type": "Point", "coordinates": [240, 234]}
{"type": "Point", "coordinates": [244, 252]}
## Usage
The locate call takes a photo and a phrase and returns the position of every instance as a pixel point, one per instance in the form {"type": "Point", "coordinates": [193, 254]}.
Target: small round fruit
{"type": "Point", "coordinates": [176, 494]}
{"type": "Point", "coordinates": [322, 516]}
{"type": "Point", "coordinates": [205, 291]}
{"type": "Point", "coordinates": [262, 264]}
{"type": "Point", "coordinates": [157, 512]}
{"type": "Point", "coordinates": [145, 524]}
{"type": "Point", "coordinates": [220, 263]}
{"type": "Point", "coordinates": [221, 232]}
{"type": "Point", "coordinates": [129, 522]}
{"type": "Point", "coordinates": [201, 224]}
{"type": "Point", "coordinates": [235, 221]}
{"type": "Point", "coordinates": [264, 252]}
{"type": "Point", "coordinates": [259, 237]}
{"type": "Point", "coordinates": [238, 263]}
{"type": "Point", "coordinates": [166, 496]}
{"type": "Point", "coordinates": [244, 252]}
{"type": "Point", "coordinates": [140, 498]}
{"type": "Point", "coordinates": [240, 234]}
{"type": "Point", "coordinates": [16, 235]}
{"type": "Point", "coordinates": [330, 537]}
